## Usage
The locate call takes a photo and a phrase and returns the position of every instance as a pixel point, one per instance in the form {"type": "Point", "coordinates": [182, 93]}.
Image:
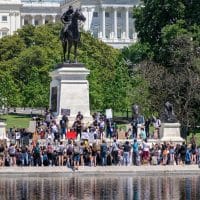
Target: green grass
{"type": "Point", "coordinates": [17, 121]}
{"type": "Point", "coordinates": [196, 137]}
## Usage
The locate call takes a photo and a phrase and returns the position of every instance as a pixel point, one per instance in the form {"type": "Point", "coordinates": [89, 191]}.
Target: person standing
{"type": "Point", "coordinates": [79, 116]}
{"type": "Point", "coordinates": [76, 156]}
{"type": "Point", "coordinates": [24, 152]}
{"type": "Point", "coordinates": [61, 149]}
{"type": "Point", "coordinates": [193, 152]}
{"type": "Point", "coordinates": [183, 150]}
{"type": "Point", "coordinates": [94, 154]}
{"type": "Point", "coordinates": [126, 155]}
{"type": "Point", "coordinates": [135, 152]}
{"type": "Point", "coordinates": [2, 156]}
{"type": "Point", "coordinates": [48, 119]}
{"type": "Point", "coordinates": [115, 150]}
{"type": "Point", "coordinates": [104, 150]}
{"type": "Point", "coordinates": [145, 155]}
{"type": "Point", "coordinates": [143, 134]}
{"type": "Point", "coordinates": [36, 155]}
{"type": "Point", "coordinates": [63, 126]}
{"type": "Point", "coordinates": [54, 131]}
{"type": "Point", "coordinates": [79, 128]}
{"type": "Point", "coordinates": [147, 125]}
{"type": "Point", "coordinates": [50, 153]}
{"type": "Point", "coordinates": [70, 150]}
{"type": "Point", "coordinates": [12, 154]}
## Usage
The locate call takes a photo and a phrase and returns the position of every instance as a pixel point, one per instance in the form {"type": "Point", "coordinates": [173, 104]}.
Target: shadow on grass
{"type": "Point", "coordinates": [18, 115]}
{"type": "Point", "coordinates": [2, 120]}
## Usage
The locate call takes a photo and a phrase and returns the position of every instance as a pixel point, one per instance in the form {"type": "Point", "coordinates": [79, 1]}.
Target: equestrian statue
{"type": "Point", "coordinates": [70, 34]}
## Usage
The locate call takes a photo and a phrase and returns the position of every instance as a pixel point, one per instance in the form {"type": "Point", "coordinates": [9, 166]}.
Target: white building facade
{"type": "Point", "coordinates": [9, 16]}
{"type": "Point", "coordinates": [108, 20]}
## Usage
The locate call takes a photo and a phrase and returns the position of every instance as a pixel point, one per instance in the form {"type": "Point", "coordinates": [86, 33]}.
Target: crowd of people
{"type": "Point", "coordinates": [73, 154]}
{"type": "Point", "coordinates": [93, 148]}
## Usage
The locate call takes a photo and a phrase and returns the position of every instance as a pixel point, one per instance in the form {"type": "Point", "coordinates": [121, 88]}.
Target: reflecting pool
{"type": "Point", "coordinates": [98, 187]}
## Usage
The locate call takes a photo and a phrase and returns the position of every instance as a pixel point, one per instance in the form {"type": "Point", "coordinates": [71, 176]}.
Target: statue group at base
{"type": "Point", "coordinates": [170, 127]}
{"type": "Point", "coordinates": [168, 130]}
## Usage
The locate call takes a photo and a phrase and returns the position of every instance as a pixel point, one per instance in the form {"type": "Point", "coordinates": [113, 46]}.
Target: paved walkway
{"type": "Point", "coordinates": [129, 170]}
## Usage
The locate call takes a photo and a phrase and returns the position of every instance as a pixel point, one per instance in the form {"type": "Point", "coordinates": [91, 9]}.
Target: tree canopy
{"type": "Point", "coordinates": [27, 57]}
{"type": "Point", "coordinates": [167, 55]}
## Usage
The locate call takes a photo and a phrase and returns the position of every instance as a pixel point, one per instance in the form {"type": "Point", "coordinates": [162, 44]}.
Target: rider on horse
{"type": "Point", "coordinates": [70, 34]}
{"type": "Point", "coordinates": [66, 19]}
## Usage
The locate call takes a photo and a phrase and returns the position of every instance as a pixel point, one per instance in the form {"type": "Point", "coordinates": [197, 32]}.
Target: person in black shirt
{"type": "Point", "coordinates": [2, 157]}
{"type": "Point", "coordinates": [63, 126]}
{"type": "Point", "coordinates": [182, 152]}
{"type": "Point", "coordinates": [79, 116]}
{"type": "Point", "coordinates": [127, 149]}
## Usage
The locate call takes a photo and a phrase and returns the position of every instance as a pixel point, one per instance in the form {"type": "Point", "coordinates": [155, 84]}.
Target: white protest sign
{"type": "Point", "coordinates": [109, 114]}
{"type": "Point", "coordinates": [85, 136]}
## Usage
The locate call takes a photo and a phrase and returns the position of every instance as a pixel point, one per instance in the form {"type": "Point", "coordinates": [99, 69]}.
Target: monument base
{"type": "Point", "coordinates": [170, 132]}
{"type": "Point", "coordinates": [69, 92]}
{"type": "Point", "coordinates": [3, 136]}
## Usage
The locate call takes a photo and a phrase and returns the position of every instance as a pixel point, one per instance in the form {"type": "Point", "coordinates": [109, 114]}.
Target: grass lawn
{"type": "Point", "coordinates": [16, 120]}
{"type": "Point", "coordinates": [196, 136]}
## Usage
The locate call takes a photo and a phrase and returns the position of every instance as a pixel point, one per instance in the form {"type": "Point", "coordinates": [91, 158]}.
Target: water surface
{"type": "Point", "coordinates": [85, 187]}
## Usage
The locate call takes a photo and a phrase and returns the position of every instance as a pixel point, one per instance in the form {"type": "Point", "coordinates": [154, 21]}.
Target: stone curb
{"type": "Point", "coordinates": [112, 170]}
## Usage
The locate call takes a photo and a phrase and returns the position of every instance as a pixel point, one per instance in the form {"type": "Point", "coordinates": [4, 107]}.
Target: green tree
{"type": "Point", "coordinates": [26, 34]}
{"type": "Point", "coordinates": [192, 10]}
{"type": "Point", "coordinates": [153, 16]}
{"type": "Point", "coordinates": [8, 90]}
{"type": "Point", "coordinates": [179, 83]}
{"type": "Point", "coordinates": [41, 52]}
{"type": "Point", "coordinates": [137, 52]}
{"type": "Point", "coordinates": [10, 47]}
{"type": "Point", "coordinates": [171, 29]}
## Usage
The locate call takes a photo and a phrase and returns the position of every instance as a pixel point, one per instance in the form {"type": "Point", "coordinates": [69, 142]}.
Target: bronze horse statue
{"type": "Point", "coordinates": [71, 36]}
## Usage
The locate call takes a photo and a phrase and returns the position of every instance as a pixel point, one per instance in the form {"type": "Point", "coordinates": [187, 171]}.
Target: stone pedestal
{"type": "Point", "coordinates": [170, 132]}
{"type": "Point", "coordinates": [69, 91]}
{"type": "Point", "coordinates": [3, 133]}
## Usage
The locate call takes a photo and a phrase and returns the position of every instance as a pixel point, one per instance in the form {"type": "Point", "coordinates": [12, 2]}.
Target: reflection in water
{"type": "Point", "coordinates": [100, 187]}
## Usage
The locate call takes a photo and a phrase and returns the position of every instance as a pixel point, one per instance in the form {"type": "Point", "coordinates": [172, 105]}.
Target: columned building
{"type": "Point", "coordinates": [40, 12]}
{"type": "Point", "coordinates": [108, 20]}
{"type": "Point", "coordinates": [9, 16]}
{"type": "Point", "coordinates": [16, 13]}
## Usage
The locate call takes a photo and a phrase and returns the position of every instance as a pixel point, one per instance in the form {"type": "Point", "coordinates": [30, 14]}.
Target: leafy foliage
{"type": "Point", "coordinates": [170, 64]}
{"type": "Point", "coordinates": [27, 66]}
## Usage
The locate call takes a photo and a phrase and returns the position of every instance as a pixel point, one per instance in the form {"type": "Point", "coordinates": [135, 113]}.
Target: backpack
{"type": "Point", "coordinates": [69, 150]}
{"type": "Point", "coordinates": [49, 149]}
{"type": "Point", "coordinates": [61, 149]}
{"type": "Point", "coordinates": [115, 147]}
{"type": "Point", "coordinates": [11, 150]}
{"type": "Point", "coordinates": [165, 152]}
{"type": "Point", "coordinates": [104, 149]}
{"type": "Point", "coordinates": [45, 157]}
{"type": "Point", "coordinates": [76, 150]}
{"type": "Point", "coordinates": [37, 150]}
{"type": "Point", "coordinates": [62, 123]}
{"type": "Point", "coordinates": [45, 160]}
